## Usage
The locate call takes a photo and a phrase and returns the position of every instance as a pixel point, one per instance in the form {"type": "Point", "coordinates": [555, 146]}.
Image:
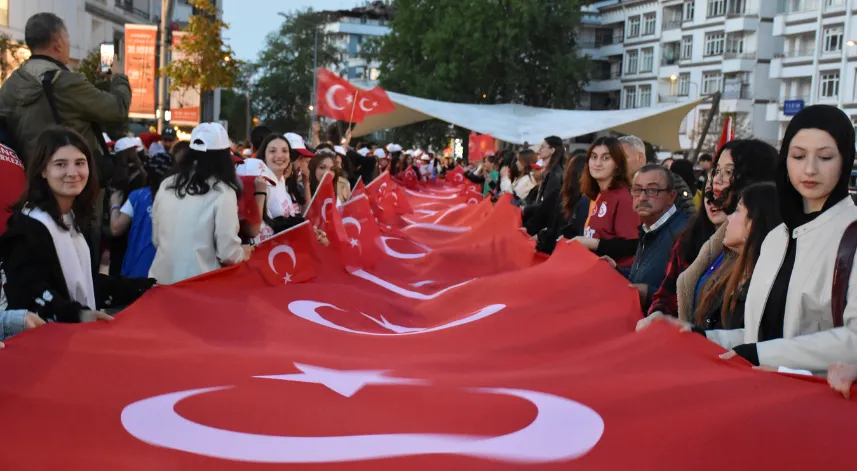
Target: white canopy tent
{"type": "Point", "coordinates": [519, 124]}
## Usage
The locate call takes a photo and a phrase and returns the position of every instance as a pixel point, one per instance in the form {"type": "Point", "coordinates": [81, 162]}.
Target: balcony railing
{"type": "Point", "coordinates": [129, 7]}
{"type": "Point", "coordinates": [739, 55]}
{"type": "Point", "coordinates": [801, 52]}
{"type": "Point", "coordinates": [797, 6]}
{"type": "Point", "coordinates": [672, 24]}
{"type": "Point", "coordinates": [746, 12]}
{"type": "Point", "coordinates": [738, 93]}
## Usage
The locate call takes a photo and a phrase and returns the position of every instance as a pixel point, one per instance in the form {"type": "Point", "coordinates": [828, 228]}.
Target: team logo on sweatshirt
{"type": "Point", "coordinates": [602, 210]}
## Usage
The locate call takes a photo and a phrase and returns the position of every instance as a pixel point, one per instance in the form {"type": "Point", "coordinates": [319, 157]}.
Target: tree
{"type": "Point", "coordinates": [282, 90]}
{"type": "Point", "coordinates": [89, 66]}
{"type": "Point", "coordinates": [10, 55]}
{"type": "Point", "coordinates": [742, 124]}
{"type": "Point", "coordinates": [208, 61]}
{"type": "Point", "coordinates": [513, 51]}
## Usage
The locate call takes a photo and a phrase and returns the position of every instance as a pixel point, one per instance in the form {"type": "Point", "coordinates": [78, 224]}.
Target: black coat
{"type": "Point", "coordinates": [538, 215]}
{"type": "Point", "coordinates": [35, 281]}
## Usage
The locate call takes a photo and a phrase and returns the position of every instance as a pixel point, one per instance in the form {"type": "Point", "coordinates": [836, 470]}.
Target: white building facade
{"type": "Point", "coordinates": [350, 30]}
{"type": "Point", "coordinates": [818, 63]}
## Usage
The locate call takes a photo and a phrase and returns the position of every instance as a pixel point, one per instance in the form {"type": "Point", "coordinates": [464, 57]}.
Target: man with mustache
{"type": "Point", "coordinates": [654, 196]}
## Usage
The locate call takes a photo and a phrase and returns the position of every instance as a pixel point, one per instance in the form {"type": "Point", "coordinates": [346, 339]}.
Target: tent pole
{"type": "Point", "coordinates": [715, 108]}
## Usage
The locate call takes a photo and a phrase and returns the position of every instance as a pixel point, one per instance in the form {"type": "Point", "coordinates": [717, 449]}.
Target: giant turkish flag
{"type": "Point", "coordinates": [452, 350]}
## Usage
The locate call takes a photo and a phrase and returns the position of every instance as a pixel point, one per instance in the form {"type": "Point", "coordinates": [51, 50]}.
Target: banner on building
{"type": "Point", "coordinates": [140, 51]}
{"type": "Point", "coordinates": [184, 104]}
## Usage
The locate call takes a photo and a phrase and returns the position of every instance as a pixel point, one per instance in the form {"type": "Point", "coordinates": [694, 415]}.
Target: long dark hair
{"type": "Point", "coordinates": [527, 158]}
{"type": "Point", "coordinates": [558, 157]}
{"type": "Point", "coordinates": [313, 165]}
{"type": "Point", "coordinates": [263, 147]}
{"type": "Point", "coordinates": [39, 194]}
{"type": "Point", "coordinates": [588, 184]}
{"type": "Point", "coordinates": [758, 198]}
{"type": "Point", "coordinates": [684, 169]}
{"type": "Point", "coordinates": [571, 183]}
{"type": "Point", "coordinates": [196, 168]}
{"type": "Point", "coordinates": [755, 161]}
{"type": "Point", "coordinates": [698, 232]}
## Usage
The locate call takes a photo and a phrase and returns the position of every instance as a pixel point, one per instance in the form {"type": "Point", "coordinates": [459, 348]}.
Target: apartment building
{"type": "Point", "coordinates": [351, 29]}
{"type": "Point", "coordinates": [818, 63]}
{"type": "Point", "coordinates": [649, 52]}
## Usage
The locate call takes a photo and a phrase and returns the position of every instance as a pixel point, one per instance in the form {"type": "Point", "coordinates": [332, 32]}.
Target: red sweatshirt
{"type": "Point", "coordinates": [612, 216]}
{"type": "Point", "coordinates": [13, 182]}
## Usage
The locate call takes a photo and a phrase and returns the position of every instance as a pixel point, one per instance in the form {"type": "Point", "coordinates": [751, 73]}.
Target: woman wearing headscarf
{"type": "Point", "coordinates": [788, 316]}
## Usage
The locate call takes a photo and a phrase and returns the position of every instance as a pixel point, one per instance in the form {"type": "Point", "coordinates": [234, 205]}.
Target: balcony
{"type": "Point", "coordinates": [129, 7]}
{"type": "Point", "coordinates": [797, 6]}
{"type": "Point", "coordinates": [672, 24]}
{"type": "Point", "coordinates": [669, 60]}
{"type": "Point", "coordinates": [796, 53]}
{"type": "Point", "coordinates": [737, 92]}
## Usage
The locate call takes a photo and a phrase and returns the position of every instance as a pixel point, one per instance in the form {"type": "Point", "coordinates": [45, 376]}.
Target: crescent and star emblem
{"type": "Point", "coordinates": [562, 429]}
{"type": "Point", "coordinates": [286, 250]}
{"type": "Point", "coordinates": [331, 97]}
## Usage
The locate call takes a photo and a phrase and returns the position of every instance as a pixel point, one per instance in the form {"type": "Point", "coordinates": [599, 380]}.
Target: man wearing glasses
{"type": "Point", "coordinates": [654, 196]}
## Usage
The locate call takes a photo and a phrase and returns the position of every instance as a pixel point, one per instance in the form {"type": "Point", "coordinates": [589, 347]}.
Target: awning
{"type": "Point", "coordinates": [658, 125]}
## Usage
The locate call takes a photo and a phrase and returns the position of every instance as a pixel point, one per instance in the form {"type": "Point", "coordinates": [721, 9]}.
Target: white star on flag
{"type": "Point", "coordinates": [288, 278]}
{"type": "Point", "coordinates": [354, 242]}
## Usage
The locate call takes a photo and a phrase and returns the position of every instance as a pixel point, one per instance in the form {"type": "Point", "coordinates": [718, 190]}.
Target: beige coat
{"type": "Point", "coordinates": [809, 340]}
{"type": "Point", "coordinates": [688, 279]}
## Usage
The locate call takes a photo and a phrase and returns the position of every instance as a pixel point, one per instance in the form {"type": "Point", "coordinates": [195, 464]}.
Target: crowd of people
{"type": "Point", "coordinates": [743, 250]}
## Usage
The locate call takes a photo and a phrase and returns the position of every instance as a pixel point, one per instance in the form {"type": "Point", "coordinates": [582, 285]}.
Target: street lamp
{"type": "Point", "coordinates": [851, 43]}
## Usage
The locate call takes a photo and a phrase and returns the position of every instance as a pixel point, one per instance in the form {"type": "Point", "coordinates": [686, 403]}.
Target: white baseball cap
{"type": "Point", "coordinates": [426, 158]}
{"type": "Point", "coordinates": [255, 168]}
{"type": "Point", "coordinates": [209, 136]}
{"type": "Point", "coordinates": [126, 143]}
{"type": "Point", "coordinates": [379, 153]}
{"type": "Point", "coordinates": [339, 150]}
{"type": "Point", "coordinates": [394, 148]}
{"type": "Point", "coordinates": [409, 152]}
{"type": "Point", "coordinates": [364, 151]}
{"type": "Point", "coordinates": [247, 152]}
{"type": "Point", "coordinates": [296, 143]}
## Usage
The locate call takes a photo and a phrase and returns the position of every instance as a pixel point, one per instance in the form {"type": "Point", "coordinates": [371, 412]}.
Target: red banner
{"type": "Point", "coordinates": [140, 44]}
{"type": "Point", "coordinates": [184, 104]}
{"type": "Point", "coordinates": [481, 145]}
{"type": "Point", "coordinates": [455, 348]}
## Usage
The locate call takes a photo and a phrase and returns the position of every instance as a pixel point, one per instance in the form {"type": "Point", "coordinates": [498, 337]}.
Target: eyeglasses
{"type": "Point", "coordinates": [650, 192]}
{"type": "Point", "coordinates": [724, 172]}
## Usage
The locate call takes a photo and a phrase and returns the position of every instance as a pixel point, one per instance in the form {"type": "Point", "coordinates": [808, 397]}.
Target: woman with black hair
{"type": "Point", "coordinates": [538, 215]}
{"type": "Point", "coordinates": [684, 169]}
{"type": "Point", "coordinates": [697, 255]}
{"type": "Point", "coordinates": [280, 211]}
{"type": "Point", "coordinates": [136, 214]}
{"type": "Point", "coordinates": [195, 216]}
{"type": "Point", "coordinates": [566, 220]}
{"type": "Point", "coordinates": [325, 161]}
{"type": "Point", "coordinates": [44, 255]}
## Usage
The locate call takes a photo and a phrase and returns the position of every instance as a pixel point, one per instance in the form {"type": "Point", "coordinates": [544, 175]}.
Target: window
{"type": "Point", "coordinates": [687, 10]}
{"type": "Point", "coordinates": [684, 84]}
{"type": "Point", "coordinates": [833, 39]}
{"type": "Point", "coordinates": [686, 47]}
{"type": "Point", "coordinates": [631, 63]}
{"type": "Point", "coordinates": [735, 44]}
{"type": "Point", "coordinates": [634, 26]}
{"type": "Point", "coordinates": [645, 96]}
{"type": "Point", "coordinates": [711, 82]}
{"type": "Point", "coordinates": [714, 43]}
{"type": "Point", "coordinates": [630, 97]}
{"type": "Point", "coordinates": [647, 59]}
{"type": "Point", "coordinates": [649, 20]}
{"type": "Point", "coordinates": [830, 84]}
{"type": "Point", "coordinates": [716, 8]}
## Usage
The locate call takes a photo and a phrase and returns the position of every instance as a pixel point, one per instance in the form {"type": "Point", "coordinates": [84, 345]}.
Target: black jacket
{"type": "Point", "coordinates": [538, 216]}
{"type": "Point", "coordinates": [35, 281]}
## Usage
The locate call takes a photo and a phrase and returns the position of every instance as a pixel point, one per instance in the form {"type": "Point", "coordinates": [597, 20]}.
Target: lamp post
{"type": "Point", "coordinates": [166, 21]}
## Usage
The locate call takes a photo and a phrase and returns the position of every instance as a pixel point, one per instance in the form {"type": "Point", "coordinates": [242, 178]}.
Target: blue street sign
{"type": "Point", "coordinates": [792, 107]}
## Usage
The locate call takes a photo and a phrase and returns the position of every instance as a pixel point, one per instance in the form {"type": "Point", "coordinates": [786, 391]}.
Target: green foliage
{"type": "Point", "coordinates": [9, 58]}
{"type": "Point", "coordinates": [494, 51]}
{"type": "Point", "coordinates": [282, 89]}
{"type": "Point", "coordinates": [209, 62]}
{"type": "Point", "coordinates": [89, 65]}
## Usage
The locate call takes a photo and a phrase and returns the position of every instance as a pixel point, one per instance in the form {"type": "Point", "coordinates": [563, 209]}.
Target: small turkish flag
{"type": "Point", "coordinates": [400, 201]}
{"type": "Point", "coordinates": [336, 98]}
{"type": "Point", "coordinates": [374, 101]}
{"type": "Point", "coordinates": [361, 250]}
{"type": "Point", "coordinates": [379, 187]}
{"type": "Point", "coordinates": [322, 211]}
{"type": "Point", "coordinates": [287, 257]}
{"type": "Point", "coordinates": [473, 197]}
{"type": "Point", "coordinates": [410, 178]}
{"type": "Point", "coordinates": [455, 175]}
{"type": "Point", "coordinates": [359, 189]}
{"type": "Point", "coordinates": [248, 209]}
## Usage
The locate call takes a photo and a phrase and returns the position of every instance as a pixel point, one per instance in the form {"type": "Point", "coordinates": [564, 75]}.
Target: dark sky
{"type": "Point", "coordinates": [251, 20]}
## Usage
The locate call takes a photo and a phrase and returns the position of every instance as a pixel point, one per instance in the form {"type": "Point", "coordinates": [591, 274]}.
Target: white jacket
{"type": "Point", "coordinates": [195, 234]}
{"type": "Point", "coordinates": [809, 340]}
{"type": "Point", "coordinates": [521, 187]}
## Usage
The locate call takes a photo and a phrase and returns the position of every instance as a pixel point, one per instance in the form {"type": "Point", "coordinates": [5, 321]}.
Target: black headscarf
{"type": "Point", "coordinates": [833, 121]}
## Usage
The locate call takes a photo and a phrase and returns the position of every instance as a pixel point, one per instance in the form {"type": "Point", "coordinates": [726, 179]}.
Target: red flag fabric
{"type": "Point", "coordinates": [286, 257]}
{"type": "Point", "coordinates": [363, 233]}
{"type": "Point", "coordinates": [248, 209]}
{"type": "Point", "coordinates": [13, 182]}
{"type": "Point", "coordinates": [359, 189]}
{"type": "Point", "coordinates": [481, 145]}
{"type": "Point", "coordinates": [336, 98]}
{"type": "Point", "coordinates": [322, 211]}
{"type": "Point", "coordinates": [410, 178]}
{"type": "Point", "coordinates": [400, 201]}
{"type": "Point", "coordinates": [374, 101]}
{"type": "Point", "coordinates": [728, 133]}
{"type": "Point", "coordinates": [461, 352]}
{"type": "Point", "coordinates": [456, 175]}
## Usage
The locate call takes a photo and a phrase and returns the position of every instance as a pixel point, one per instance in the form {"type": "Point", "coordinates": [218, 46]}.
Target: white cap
{"type": "Point", "coordinates": [418, 153]}
{"type": "Point", "coordinates": [126, 143]}
{"type": "Point", "coordinates": [426, 158]}
{"type": "Point", "coordinates": [209, 136]}
{"type": "Point", "coordinates": [255, 168]}
{"type": "Point", "coordinates": [409, 152]}
{"type": "Point", "coordinates": [395, 148]}
{"type": "Point", "coordinates": [246, 152]}
{"type": "Point", "coordinates": [296, 143]}
{"type": "Point", "coordinates": [339, 150]}
{"type": "Point", "coordinates": [364, 151]}
{"type": "Point", "coordinates": [379, 153]}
